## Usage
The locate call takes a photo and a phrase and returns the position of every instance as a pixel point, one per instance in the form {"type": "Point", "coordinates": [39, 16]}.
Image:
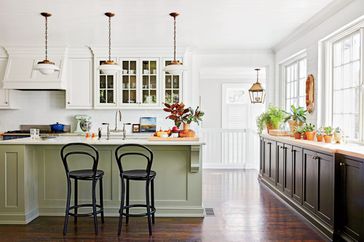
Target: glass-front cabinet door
{"type": "Point", "coordinates": [149, 84]}
{"type": "Point", "coordinates": [129, 82]}
{"type": "Point", "coordinates": [172, 86]}
{"type": "Point", "coordinates": [106, 89]}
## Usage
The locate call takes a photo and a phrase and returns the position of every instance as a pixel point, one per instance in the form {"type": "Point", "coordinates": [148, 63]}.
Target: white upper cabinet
{"type": "Point", "coordinates": [172, 86]}
{"type": "Point", "coordinates": [7, 97]}
{"type": "Point", "coordinates": [20, 73]}
{"type": "Point", "coordinates": [79, 91]}
{"type": "Point", "coordinates": [141, 83]}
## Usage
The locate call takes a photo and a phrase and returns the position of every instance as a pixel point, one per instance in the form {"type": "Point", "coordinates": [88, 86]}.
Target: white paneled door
{"type": "Point", "coordinates": [235, 144]}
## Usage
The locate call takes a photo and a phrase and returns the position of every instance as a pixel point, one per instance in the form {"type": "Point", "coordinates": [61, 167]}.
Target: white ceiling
{"type": "Point", "coordinates": [205, 24]}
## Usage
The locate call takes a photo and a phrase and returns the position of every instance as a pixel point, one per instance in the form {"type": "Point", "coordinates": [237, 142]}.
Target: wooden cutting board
{"type": "Point", "coordinates": [155, 138]}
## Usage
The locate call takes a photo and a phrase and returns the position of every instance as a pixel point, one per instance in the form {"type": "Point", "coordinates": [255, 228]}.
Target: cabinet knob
{"type": "Point", "coordinates": [342, 164]}
{"type": "Point", "coordinates": [6, 102]}
{"type": "Point", "coordinates": [68, 102]}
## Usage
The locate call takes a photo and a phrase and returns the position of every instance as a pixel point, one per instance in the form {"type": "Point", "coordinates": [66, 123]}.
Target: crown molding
{"type": "Point", "coordinates": [314, 21]}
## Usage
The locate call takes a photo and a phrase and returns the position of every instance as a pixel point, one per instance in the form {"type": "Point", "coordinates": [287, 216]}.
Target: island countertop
{"type": "Point", "coordinates": [62, 140]}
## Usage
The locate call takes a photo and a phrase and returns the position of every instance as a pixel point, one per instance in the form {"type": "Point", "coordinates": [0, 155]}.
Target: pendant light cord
{"type": "Point", "coordinates": [46, 38]}
{"type": "Point", "coordinates": [174, 39]}
{"type": "Point", "coordinates": [257, 75]}
{"type": "Point", "coordinates": [109, 38]}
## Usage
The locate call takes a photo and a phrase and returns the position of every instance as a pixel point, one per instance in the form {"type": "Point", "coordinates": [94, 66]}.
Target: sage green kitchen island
{"type": "Point", "coordinates": [33, 181]}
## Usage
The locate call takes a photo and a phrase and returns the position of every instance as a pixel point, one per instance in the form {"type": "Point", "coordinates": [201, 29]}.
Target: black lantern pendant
{"type": "Point", "coordinates": [256, 92]}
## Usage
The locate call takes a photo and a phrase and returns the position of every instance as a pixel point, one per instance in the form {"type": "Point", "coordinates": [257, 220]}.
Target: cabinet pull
{"type": "Point", "coordinates": [342, 164]}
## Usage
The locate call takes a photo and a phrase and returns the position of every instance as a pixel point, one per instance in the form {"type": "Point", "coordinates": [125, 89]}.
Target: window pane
{"type": "Point", "coordinates": [356, 46]}
{"type": "Point", "coordinates": [337, 54]}
{"type": "Point", "coordinates": [296, 83]}
{"type": "Point", "coordinates": [303, 67]}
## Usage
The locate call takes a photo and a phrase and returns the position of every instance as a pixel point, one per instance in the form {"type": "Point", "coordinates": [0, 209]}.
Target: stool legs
{"type": "Point", "coordinates": [102, 202]}
{"type": "Point", "coordinates": [152, 195]}
{"type": "Point", "coordinates": [127, 200]}
{"type": "Point", "coordinates": [121, 211]}
{"type": "Point", "coordinates": [67, 206]}
{"type": "Point", "coordinates": [75, 202]}
{"type": "Point", "coordinates": [94, 205]}
{"type": "Point", "coordinates": [147, 198]}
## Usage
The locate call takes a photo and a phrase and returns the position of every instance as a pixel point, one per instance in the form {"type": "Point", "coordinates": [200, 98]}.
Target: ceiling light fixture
{"type": "Point", "coordinates": [46, 67]}
{"type": "Point", "coordinates": [175, 67]}
{"type": "Point", "coordinates": [256, 92]}
{"type": "Point", "coordinates": [109, 67]}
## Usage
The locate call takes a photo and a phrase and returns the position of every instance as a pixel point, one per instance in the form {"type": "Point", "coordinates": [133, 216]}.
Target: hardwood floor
{"type": "Point", "coordinates": [244, 211]}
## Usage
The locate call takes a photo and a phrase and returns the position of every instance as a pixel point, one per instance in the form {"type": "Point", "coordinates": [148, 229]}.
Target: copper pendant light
{"type": "Point", "coordinates": [109, 67]}
{"type": "Point", "coordinates": [46, 67]}
{"type": "Point", "coordinates": [175, 67]}
{"type": "Point", "coordinates": [257, 92]}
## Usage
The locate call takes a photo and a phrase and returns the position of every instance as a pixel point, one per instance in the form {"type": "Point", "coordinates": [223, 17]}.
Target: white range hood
{"type": "Point", "coordinates": [21, 74]}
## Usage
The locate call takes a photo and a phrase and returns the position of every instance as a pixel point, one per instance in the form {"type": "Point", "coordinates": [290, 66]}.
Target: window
{"type": "Point", "coordinates": [295, 74]}
{"type": "Point", "coordinates": [346, 85]}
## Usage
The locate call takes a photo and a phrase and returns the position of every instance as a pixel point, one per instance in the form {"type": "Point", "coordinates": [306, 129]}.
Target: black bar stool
{"type": "Point", "coordinates": [146, 175]}
{"type": "Point", "coordinates": [94, 175]}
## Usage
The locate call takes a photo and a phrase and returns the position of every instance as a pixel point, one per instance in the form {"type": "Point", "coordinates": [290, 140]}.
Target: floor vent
{"type": "Point", "coordinates": [209, 212]}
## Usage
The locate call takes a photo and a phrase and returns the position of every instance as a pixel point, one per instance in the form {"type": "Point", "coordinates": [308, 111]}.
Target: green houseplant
{"type": "Point", "coordinates": [271, 119]}
{"type": "Point", "coordinates": [310, 131]}
{"type": "Point", "coordinates": [298, 131]}
{"type": "Point", "coordinates": [297, 117]}
{"type": "Point", "coordinates": [320, 135]}
{"type": "Point", "coordinates": [328, 130]}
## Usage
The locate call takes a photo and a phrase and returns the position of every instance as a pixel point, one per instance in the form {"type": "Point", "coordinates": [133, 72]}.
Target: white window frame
{"type": "Point", "coordinates": [325, 112]}
{"type": "Point", "coordinates": [283, 65]}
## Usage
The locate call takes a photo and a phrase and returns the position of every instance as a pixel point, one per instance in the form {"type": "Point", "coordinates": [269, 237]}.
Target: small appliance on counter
{"type": "Point", "coordinates": [83, 124]}
{"type": "Point", "coordinates": [45, 131]}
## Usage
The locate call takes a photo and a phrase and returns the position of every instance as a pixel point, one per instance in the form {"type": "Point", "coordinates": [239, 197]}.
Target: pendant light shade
{"type": "Point", "coordinates": [256, 92]}
{"type": "Point", "coordinates": [46, 67]}
{"type": "Point", "coordinates": [109, 67]}
{"type": "Point", "coordinates": [175, 67]}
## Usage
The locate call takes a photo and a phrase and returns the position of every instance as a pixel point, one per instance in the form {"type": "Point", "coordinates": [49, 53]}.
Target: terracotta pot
{"type": "Point", "coordinates": [187, 132]}
{"type": "Point", "coordinates": [293, 125]}
{"type": "Point", "coordinates": [319, 138]}
{"type": "Point", "coordinates": [304, 136]}
{"type": "Point", "coordinates": [310, 135]}
{"type": "Point", "coordinates": [297, 135]}
{"type": "Point", "coordinates": [328, 138]}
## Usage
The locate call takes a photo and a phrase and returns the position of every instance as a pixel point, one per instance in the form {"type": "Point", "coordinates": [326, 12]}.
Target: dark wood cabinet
{"type": "Point", "coordinates": [297, 169]}
{"type": "Point", "coordinates": [288, 170]}
{"type": "Point", "coordinates": [327, 189]}
{"type": "Point", "coordinates": [280, 165]}
{"type": "Point", "coordinates": [318, 185]}
{"type": "Point", "coordinates": [309, 180]}
{"type": "Point", "coordinates": [350, 196]}
{"type": "Point", "coordinates": [269, 164]}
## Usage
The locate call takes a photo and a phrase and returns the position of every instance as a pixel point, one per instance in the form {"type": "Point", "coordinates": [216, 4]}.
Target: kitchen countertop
{"type": "Point", "coordinates": [62, 140]}
{"type": "Point", "coordinates": [354, 150]}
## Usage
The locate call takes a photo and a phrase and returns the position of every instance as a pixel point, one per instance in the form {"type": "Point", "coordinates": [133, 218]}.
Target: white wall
{"type": "Point", "coordinates": [308, 41]}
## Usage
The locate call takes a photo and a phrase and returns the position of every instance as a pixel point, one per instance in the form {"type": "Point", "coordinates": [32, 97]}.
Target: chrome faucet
{"type": "Point", "coordinates": [124, 130]}
{"type": "Point", "coordinates": [107, 130]}
{"type": "Point", "coordinates": [117, 113]}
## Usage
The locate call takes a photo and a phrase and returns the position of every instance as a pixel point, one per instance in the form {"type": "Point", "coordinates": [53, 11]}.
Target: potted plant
{"type": "Point", "coordinates": [338, 134]}
{"type": "Point", "coordinates": [298, 132]}
{"type": "Point", "coordinates": [320, 135]}
{"type": "Point", "coordinates": [328, 134]}
{"type": "Point", "coordinates": [181, 115]}
{"type": "Point", "coordinates": [310, 131]}
{"type": "Point", "coordinates": [271, 119]}
{"type": "Point", "coordinates": [297, 117]}
{"type": "Point", "coordinates": [188, 118]}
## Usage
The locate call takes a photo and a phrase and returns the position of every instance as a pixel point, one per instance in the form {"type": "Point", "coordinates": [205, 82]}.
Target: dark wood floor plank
{"type": "Point", "coordinates": [244, 211]}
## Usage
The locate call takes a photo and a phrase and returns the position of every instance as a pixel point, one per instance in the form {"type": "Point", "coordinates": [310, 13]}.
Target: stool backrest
{"type": "Point", "coordinates": [141, 150]}
{"type": "Point", "coordinates": [82, 149]}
